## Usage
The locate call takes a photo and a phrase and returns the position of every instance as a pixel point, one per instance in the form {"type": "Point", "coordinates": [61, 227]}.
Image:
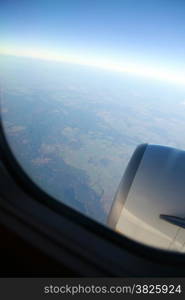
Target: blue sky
{"type": "Point", "coordinates": [147, 33]}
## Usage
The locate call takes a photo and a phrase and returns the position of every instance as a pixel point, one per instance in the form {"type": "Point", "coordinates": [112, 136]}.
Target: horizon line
{"type": "Point", "coordinates": [129, 68]}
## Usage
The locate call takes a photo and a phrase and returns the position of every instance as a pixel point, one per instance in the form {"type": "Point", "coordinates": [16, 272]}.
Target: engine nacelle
{"type": "Point", "coordinates": [149, 205]}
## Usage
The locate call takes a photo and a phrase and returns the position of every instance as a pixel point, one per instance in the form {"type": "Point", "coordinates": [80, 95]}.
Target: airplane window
{"type": "Point", "coordinates": [83, 83]}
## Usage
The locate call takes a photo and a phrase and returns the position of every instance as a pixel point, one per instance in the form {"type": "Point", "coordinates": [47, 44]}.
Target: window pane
{"type": "Point", "coordinates": [83, 83]}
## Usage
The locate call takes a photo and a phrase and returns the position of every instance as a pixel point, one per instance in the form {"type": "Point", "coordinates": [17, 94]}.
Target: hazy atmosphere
{"type": "Point", "coordinates": [83, 83]}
